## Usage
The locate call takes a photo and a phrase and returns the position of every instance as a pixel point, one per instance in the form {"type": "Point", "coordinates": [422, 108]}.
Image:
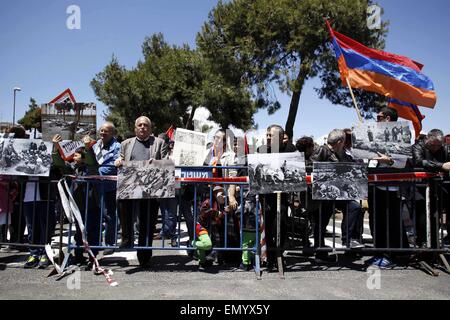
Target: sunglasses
{"type": "Point", "coordinates": [380, 117]}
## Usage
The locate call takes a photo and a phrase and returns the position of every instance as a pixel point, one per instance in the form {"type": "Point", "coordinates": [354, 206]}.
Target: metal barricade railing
{"type": "Point", "coordinates": [407, 187]}
{"type": "Point", "coordinates": [398, 186]}
{"type": "Point", "coordinates": [28, 207]}
{"type": "Point", "coordinates": [389, 193]}
{"type": "Point", "coordinates": [202, 189]}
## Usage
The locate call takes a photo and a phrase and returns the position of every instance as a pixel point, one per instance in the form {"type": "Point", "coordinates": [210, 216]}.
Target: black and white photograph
{"type": "Point", "coordinates": [280, 172]}
{"type": "Point", "coordinates": [6, 135]}
{"type": "Point", "coordinates": [389, 138]}
{"type": "Point", "coordinates": [71, 121]}
{"type": "Point", "coordinates": [25, 157]}
{"type": "Point", "coordinates": [189, 148]}
{"type": "Point", "coordinates": [339, 181]}
{"type": "Point", "coordinates": [67, 148]}
{"type": "Point", "coordinates": [144, 180]}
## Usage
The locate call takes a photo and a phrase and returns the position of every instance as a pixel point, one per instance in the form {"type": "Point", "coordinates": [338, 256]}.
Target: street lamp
{"type": "Point", "coordinates": [14, 110]}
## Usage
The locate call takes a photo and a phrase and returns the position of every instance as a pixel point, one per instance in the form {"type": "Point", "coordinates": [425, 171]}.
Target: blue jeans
{"type": "Point", "coordinates": [110, 217]}
{"type": "Point", "coordinates": [40, 218]}
{"type": "Point", "coordinates": [186, 210]}
{"type": "Point", "coordinates": [168, 209]}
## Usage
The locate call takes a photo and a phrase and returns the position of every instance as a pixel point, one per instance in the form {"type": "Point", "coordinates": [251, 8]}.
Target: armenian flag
{"type": "Point", "coordinates": [408, 111]}
{"type": "Point", "coordinates": [388, 74]}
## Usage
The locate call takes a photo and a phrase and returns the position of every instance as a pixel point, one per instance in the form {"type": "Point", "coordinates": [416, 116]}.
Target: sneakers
{"type": "Point", "coordinates": [44, 262]}
{"type": "Point", "coordinates": [89, 266]}
{"type": "Point", "coordinates": [108, 252]}
{"type": "Point", "coordinates": [355, 244]}
{"type": "Point", "coordinates": [32, 262]}
{"type": "Point", "coordinates": [205, 265]}
{"type": "Point", "coordinates": [157, 237]}
{"type": "Point", "coordinates": [325, 259]}
{"type": "Point", "coordinates": [382, 263]}
{"type": "Point", "coordinates": [245, 267]}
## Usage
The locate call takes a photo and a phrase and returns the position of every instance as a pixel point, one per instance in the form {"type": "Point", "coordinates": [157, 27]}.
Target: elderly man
{"type": "Point", "coordinates": [107, 151]}
{"type": "Point", "coordinates": [433, 156]}
{"type": "Point", "coordinates": [275, 144]}
{"type": "Point", "coordinates": [142, 147]}
{"type": "Point", "coordinates": [334, 151]}
{"type": "Point", "coordinates": [385, 228]}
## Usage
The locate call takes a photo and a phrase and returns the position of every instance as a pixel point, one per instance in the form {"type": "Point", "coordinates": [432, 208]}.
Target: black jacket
{"type": "Point", "coordinates": [325, 154]}
{"type": "Point", "coordinates": [423, 158]}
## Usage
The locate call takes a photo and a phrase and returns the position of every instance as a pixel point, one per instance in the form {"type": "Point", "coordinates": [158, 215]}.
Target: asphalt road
{"type": "Point", "coordinates": [173, 275]}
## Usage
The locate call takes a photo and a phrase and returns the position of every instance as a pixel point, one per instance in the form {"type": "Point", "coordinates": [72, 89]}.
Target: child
{"type": "Point", "coordinates": [213, 215]}
{"type": "Point", "coordinates": [84, 164]}
{"type": "Point", "coordinates": [248, 231]}
{"type": "Point", "coordinates": [202, 242]}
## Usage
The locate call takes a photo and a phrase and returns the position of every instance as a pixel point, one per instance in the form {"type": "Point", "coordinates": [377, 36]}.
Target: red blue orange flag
{"type": "Point", "coordinates": [170, 132]}
{"type": "Point", "coordinates": [388, 74]}
{"type": "Point", "coordinates": [410, 112]}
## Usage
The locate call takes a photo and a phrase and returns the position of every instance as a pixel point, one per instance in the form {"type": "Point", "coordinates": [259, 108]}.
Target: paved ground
{"type": "Point", "coordinates": [174, 275]}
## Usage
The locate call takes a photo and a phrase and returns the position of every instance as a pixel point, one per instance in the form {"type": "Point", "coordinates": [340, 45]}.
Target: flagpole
{"type": "Point", "coordinates": [354, 101]}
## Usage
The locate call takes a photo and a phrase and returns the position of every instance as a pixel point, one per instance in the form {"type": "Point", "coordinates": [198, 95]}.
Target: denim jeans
{"type": "Point", "coordinates": [186, 210]}
{"type": "Point", "coordinates": [351, 223]}
{"type": "Point", "coordinates": [92, 223]}
{"type": "Point", "coordinates": [110, 217]}
{"type": "Point", "coordinates": [351, 227]}
{"type": "Point", "coordinates": [40, 219]}
{"type": "Point", "coordinates": [168, 209]}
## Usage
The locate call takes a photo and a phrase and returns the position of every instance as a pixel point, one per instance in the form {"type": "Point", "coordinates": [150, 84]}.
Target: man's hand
{"type": "Point", "coordinates": [118, 163]}
{"type": "Point", "coordinates": [232, 203]}
{"type": "Point", "coordinates": [382, 158]}
{"type": "Point", "coordinates": [56, 139]}
{"type": "Point", "coordinates": [446, 166]}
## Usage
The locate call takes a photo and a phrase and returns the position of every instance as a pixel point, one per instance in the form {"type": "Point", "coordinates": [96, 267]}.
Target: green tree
{"type": "Point", "coordinates": [168, 86]}
{"type": "Point", "coordinates": [32, 118]}
{"type": "Point", "coordinates": [262, 43]}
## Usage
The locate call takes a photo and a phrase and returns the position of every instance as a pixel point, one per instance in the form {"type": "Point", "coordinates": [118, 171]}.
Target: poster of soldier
{"type": "Point", "coordinates": [71, 121]}
{"type": "Point", "coordinates": [270, 173]}
{"type": "Point", "coordinates": [25, 157]}
{"type": "Point", "coordinates": [144, 180]}
{"type": "Point", "coordinates": [339, 181]}
{"type": "Point", "coordinates": [189, 148]}
{"type": "Point", "coordinates": [389, 138]}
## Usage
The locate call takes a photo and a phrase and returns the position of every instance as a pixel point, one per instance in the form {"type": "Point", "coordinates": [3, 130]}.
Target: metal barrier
{"type": "Point", "coordinates": [28, 204]}
{"type": "Point", "coordinates": [407, 187]}
{"type": "Point", "coordinates": [202, 189]}
{"type": "Point", "coordinates": [388, 193]}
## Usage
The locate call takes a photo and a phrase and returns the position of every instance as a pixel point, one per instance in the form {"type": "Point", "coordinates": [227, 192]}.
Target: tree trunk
{"type": "Point", "coordinates": [190, 122]}
{"type": "Point", "coordinates": [301, 78]}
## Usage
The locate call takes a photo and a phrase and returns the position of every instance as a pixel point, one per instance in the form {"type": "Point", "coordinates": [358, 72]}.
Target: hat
{"type": "Point", "coordinates": [218, 188]}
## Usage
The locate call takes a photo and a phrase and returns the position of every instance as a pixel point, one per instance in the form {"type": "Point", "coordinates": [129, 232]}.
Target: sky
{"type": "Point", "coordinates": [42, 56]}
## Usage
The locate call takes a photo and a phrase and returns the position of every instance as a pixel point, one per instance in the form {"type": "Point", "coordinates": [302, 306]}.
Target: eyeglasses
{"type": "Point", "coordinates": [381, 117]}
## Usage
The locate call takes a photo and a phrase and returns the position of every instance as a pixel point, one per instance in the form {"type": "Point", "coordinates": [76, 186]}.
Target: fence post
{"type": "Point", "coordinates": [428, 214]}
{"type": "Point", "coordinates": [279, 256]}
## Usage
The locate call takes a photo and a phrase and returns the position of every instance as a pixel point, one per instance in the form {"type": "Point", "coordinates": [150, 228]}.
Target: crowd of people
{"type": "Point", "coordinates": [36, 200]}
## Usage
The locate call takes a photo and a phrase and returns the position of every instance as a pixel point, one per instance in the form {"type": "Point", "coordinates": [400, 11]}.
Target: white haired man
{"type": "Point", "coordinates": [107, 151]}
{"type": "Point", "coordinates": [144, 146]}
{"type": "Point", "coordinates": [333, 151]}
